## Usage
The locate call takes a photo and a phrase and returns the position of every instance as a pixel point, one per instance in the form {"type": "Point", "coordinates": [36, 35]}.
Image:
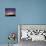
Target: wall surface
{"type": "Point", "coordinates": [27, 12]}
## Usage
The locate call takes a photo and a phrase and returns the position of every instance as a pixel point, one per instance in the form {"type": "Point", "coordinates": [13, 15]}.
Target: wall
{"type": "Point", "coordinates": [27, 12]}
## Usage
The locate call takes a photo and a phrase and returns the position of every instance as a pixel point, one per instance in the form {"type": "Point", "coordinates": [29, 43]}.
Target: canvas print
{"type": "Point", "coordinates": [10, 12]}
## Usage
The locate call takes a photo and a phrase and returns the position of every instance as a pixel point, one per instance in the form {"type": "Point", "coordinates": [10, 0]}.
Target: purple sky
{"type": "Point", "coordinates": [10, 10]}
